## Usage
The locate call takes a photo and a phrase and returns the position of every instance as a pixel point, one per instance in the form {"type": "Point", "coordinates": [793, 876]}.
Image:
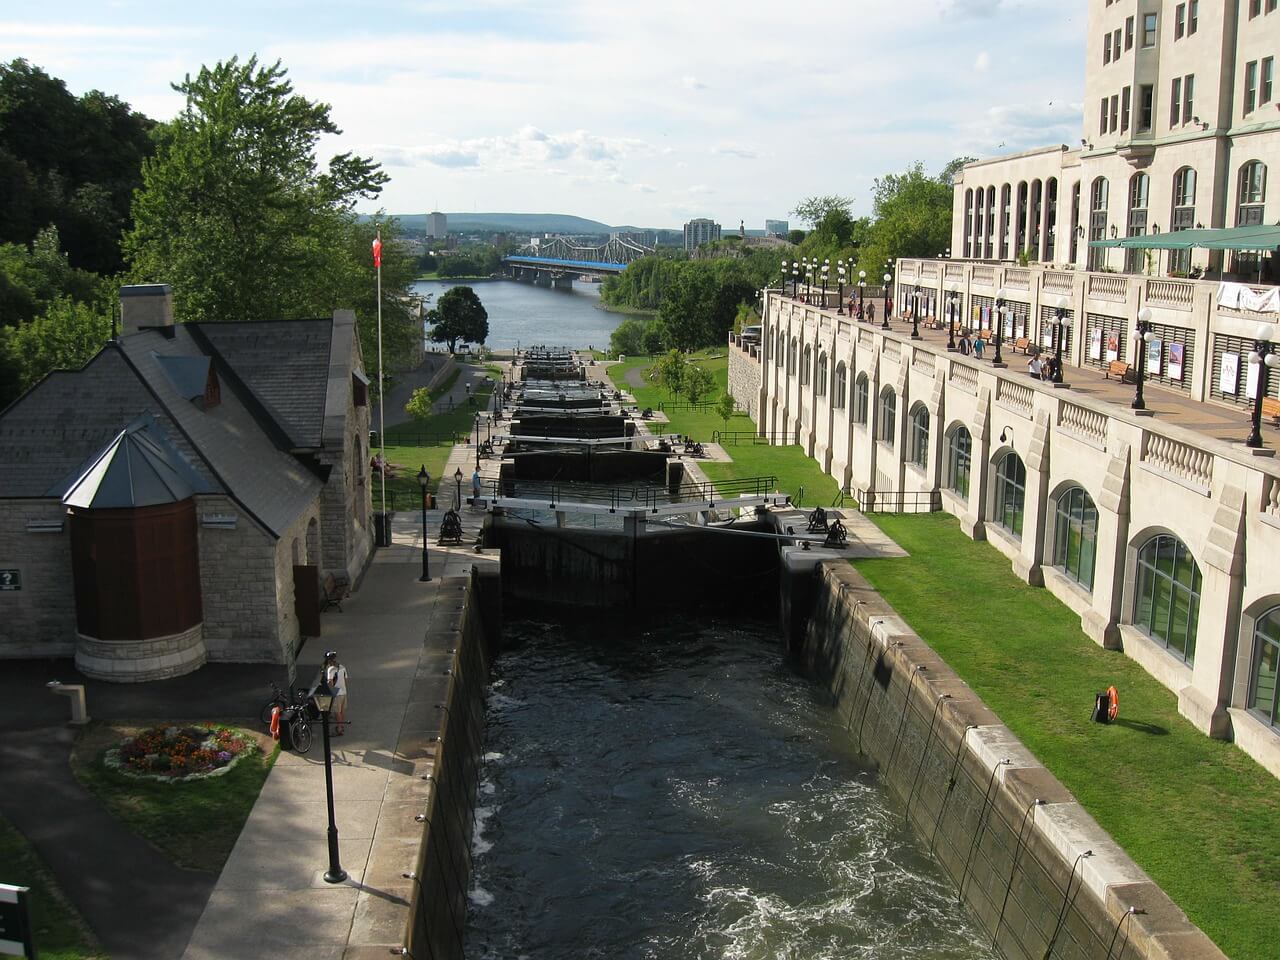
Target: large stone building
{"type": "Point", "coordinates": [699, 231]}
{"type": "Point", "coordinates": [1180, 129]}
{"type": "Point", "coordinates": [184, 495]}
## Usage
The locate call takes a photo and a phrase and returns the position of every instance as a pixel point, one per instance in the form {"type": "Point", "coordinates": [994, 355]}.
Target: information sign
{"type": "Point", "coordinates": [10, 579]}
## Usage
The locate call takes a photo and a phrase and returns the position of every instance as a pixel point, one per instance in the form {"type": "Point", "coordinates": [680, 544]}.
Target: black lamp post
{"type": "Point", "coordinates": [424, 479]}
{"type": "Point", "coordinates": [1059, 325]}
{"type": "Point", "coordinates": [840, 292]}
{"type": "Point", "coordinates": [477, 422]}
{"type": "Point", "coordinates": [915, 313]}
{"type": "Point", "coordinates": [1264, 354]}
{"type": "Point", "coordinates": [795, 278]}
{"type": "Point", "coordinates": [1143, 337]}
{"type": "Point", "coordinates": [951, 317]}
{"type": "Point", "coordinates": [888, 300]}
{"type": "Point", "coordinates": [457, 482]}
{"type": "Point", "coordinates": [323, 698]}
{"type": "Point", "coordinates": [996, 359]}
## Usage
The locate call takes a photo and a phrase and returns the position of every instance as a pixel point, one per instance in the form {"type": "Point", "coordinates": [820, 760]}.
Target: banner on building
{"type": "Point", "coordinates": [1229, 375]}
{"type": "Point", "coordinates": [1175, 361]}
{"type": "Point", "coordinates": [1155, 347]}
{"type": "Point", "coordinates": [1095, 343]}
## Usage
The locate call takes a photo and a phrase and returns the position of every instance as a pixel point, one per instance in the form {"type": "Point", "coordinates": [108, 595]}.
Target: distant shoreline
{"type": "Point", "coordinates": [630, 311]}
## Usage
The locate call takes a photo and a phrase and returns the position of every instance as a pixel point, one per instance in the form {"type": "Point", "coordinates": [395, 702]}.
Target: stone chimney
{"type": "Point", "coordinates": [145, 305]}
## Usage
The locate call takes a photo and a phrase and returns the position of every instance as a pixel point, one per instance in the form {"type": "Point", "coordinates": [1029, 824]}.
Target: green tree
{"type": "Point", "coordinates": [419, 405]}
{"type": "Point", "coordinates": [459, 315]}
{"type": "Point", "coordinates": [813, 210]}
{"type": "Point", "coordinates": [64, 337]}
{"type": "Point", "coordinates": [628, 337]}
{"type": "Point", "coordinates": [669, 372]}
{"type": "Point", "coordinates": [698, 382]}
{"type": "Point", "coordinates": [235, 212]}
{"type": "Point", "coordinates": [725, 409]}
{"type": "Point", "coordinates": [912, 217]}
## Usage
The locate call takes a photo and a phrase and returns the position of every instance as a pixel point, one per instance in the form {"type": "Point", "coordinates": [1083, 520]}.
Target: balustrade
{"type": "Point", "coordinates": [1083, 422]}
{"type": "Point", "coordinates": [1014, 396]}
{"type": "Point", "coordinates": [1106, 287]}
{"type": "Point", "coordinates": [1271, 499]}
{"type": "Point", "coordinates": [928, 271]}
{"type": "Point", "coordinates": [984, 274]}
{"type": "Point", "coordinates": [892, 349]}
{"type": "Point", "coordinates": [953, 271]}
{"type": "Point", "coordinates": [1017, 278]}
{"type": "Point", "coordinates": [1056, 281]}
{"type": "Point", "coordinates": [964, 377]}
{"type": "Point", "coordinates": [1175, 294]}
{"type": "Point", "coordinates": [922, 361]}
{"type": "Point", "coordinates": [1178, 459]}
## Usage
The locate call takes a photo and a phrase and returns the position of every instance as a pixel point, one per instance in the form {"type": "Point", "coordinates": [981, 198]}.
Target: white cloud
{"type": "Point", "coordinates": [692, 83]}
{"type": "Point", "coordinates": [977, 9]}
{"type": "Point", "coordinates": [742, 153]}
{"type": "Point", "coordinates": [982, 62]}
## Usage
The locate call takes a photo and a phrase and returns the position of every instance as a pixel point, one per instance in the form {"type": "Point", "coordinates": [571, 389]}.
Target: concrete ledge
{"type": "Point", "coordinates": [133, 661]}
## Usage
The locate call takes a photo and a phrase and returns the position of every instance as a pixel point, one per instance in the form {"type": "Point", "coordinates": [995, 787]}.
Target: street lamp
{"type": "Point", "coordinates": [951, 318]}
{"type": "Point", "coordinates": [323, 698]}
{"type": "Point", "coordinates": [477, 424]}
{"type": "Point", "coordinates": [826, 265]}
{"type": "Point", "coordinates": [1001, 312]}
{"type": "Point", "coordinates": [424, 479]}
{"type": "Point", "coordinates": [795, 278]}
{"type": "Point", "coordinates": [784, 277]}
{"type": "Point", "coordinates": [1059, 325]}
{"type": "Point", "coordinates": [888, 301]}
{"type": "Point", "coordinates": [915, 313]}
{"type": "Point", "coordinates": [1142, 339]}
{"type": "Point", "coordinates": [457, 493]}
{"type": "Point", "coordinates": [1265, 356]}
{"type": "Point", "coordinates": [840, 292]}
{"type": "Point", "coordinates": [862, 285]}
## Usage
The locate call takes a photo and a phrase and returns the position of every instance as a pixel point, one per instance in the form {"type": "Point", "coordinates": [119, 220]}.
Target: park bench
{"type": "Point", "coordinates": [1122, 371]}
{"type": "Point", "coordinates": [333, 592]}
{"type": "Point", "coordinates": [1271, 410]}
{"type": "Point", "coordinates": [1023, 344]}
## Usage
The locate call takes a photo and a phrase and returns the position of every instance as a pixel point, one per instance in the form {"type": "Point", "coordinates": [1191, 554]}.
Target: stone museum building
{"type": "Point", "coordinates": [186, 495]}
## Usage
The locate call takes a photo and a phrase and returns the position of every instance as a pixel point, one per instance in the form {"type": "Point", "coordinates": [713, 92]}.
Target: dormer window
{"type": "Point", "coordinates": [359, 389]}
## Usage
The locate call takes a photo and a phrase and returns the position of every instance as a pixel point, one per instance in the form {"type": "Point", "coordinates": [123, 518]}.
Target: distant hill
{"type": "Point", "coordinates": [530, 223]}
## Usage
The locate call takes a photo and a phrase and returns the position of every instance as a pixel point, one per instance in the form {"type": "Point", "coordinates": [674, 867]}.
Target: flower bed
{"type": "Point", "coordinates": [181, 753]}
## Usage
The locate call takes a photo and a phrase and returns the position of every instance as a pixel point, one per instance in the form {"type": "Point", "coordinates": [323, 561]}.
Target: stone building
{"type": "Point", "coordinates": [184, 495]}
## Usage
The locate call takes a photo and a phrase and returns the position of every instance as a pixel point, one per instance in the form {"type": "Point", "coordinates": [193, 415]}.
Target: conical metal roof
{"type": "Point", "coordinates": [138, 468]}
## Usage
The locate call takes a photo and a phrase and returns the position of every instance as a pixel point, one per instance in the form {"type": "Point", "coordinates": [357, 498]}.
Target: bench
{"type": "Point", "coordinates": [1271, 410]}
{"type": "Point", "coordinates": [1023, 344]}
{"type": "Point", "coordinates": [334, 592]}
{"type": "Point", "coordinates": [1123, 372]}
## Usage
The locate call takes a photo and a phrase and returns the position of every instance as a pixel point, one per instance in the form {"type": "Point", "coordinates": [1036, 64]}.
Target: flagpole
{"type": "Point", "coordinates": [382, 399]}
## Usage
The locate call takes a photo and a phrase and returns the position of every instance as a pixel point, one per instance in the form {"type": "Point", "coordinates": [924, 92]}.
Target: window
{"type": "Point", "coordinates": [838, 385]}
{"type": "Point", "coordinates": [1179, 21]}
{"type": "Point", "coordinates": [1128, 33]}
{"type": "Point", "coordinates": [1102, 117]}
{"type": "Point", "coordinates": [1075, 535]}
{"type": "Point", "coordinates": [1115, 45]}
{"type": "Point", "coordinates": [1183, 215]}
{"type": "Point", "coordinates": [779, 349]}
{"type": "Point", "coordinates": [1097, 220]}
{"type": "Point", "coordinates": [959, 457]}
{"type": "Point", "coordinates": [1106, 49]}
{"type": "Point", "coordinates": [822, 375]}
{"type": "Point", "coordinates": [861, 400]}
{"type": "Point", "coordinates": [1115, 111]}
{"type": "Point", "coordinates": [806, 365]}
{"type": "Point", "coordinates": [1255, 8]}
{"type": "Point", "coordinates": [791, 358]}
{"type": "Point", "coordinates": [1148, 29]}
{"type": "Point", "coordinates": [1167, 601]}
{"type": "Point", "coordinates": [919, 440]}
{"type": "Point", "coordinates": [1136, 225]}
{"type": "Point", "coordinates": [1011, 491]}
{"type": "Point", "coordinates": [1250, 85]}
{"type": "Point", "coordinates": [1175, 102]}
{"type": "Point", "coordinates": [1193, 16]}
{"type": "Point", "coordinates": [1251, 193]}
{"type": "Point", "coordinates": [1266, 667]}
{"type": "Point", "coordinates": [1124, 109]}
{"type": "Point", "coordinates": [1188, 93]}
{"type": "Point", "coordinates": [1146, 106]}
{"type": "Point", "coordinates": [888, 416]}
{"type": "Point", "coordinates": [1268, 69]}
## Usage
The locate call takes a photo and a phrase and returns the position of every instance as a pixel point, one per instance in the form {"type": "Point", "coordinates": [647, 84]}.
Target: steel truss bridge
{"type": "Point", "coordinates": [558, 261]}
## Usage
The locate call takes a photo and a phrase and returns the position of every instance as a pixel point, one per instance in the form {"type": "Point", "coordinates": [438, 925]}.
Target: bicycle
{"type": "Point", "coordinates": [299, 724]}
{"type": "Point", "coordinates": [278, 699]}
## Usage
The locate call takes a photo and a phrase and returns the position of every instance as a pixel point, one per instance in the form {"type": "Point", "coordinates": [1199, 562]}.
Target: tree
{"type": "Point", "coordinates": [726, 408]}
{"type": "Point", "coordinates": [813, 210]}
{"type": "Point", "coordinates": [912, 217]}
{"type": "Point", "coordinates": [669, 372]}
{"type": "Point", "coordinates": [628, 337]}
{"type": "Point", "coordinates": [419, 405]}
{"type": "Point", "coordinates": [698, 382]}
{"type": "Point", "coordinates": [65, 337]}
{"type": "Point", "coordinates": [459, 315]}
{"type": "Point", "coordinates": [234, 211]}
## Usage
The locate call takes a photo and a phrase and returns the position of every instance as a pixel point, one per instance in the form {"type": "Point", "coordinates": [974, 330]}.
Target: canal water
{"type": "Point", "coordinates": [521, 314]}
{"type": "Point", "coordinates": [681, 793]}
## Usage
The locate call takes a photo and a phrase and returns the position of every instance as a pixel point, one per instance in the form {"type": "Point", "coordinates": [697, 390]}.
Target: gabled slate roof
{"type": "Point", "coordinates": [140, 467]}
{"type": "Point", "coordinates": [188, 375]}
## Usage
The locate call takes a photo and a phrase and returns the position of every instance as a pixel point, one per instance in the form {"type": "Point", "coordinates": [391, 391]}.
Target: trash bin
{"type": "Point", "coordinates": [382, 528]}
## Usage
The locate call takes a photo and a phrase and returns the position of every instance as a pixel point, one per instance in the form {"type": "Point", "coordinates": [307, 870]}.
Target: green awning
{"type": "Point", "coordinates": [1259, 237]}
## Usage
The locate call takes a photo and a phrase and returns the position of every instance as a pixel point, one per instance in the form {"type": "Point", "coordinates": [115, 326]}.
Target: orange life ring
{"type": "Point", "coordinates": [1113, 703]}
{"type": "Point", "coordinates": [275, 721]}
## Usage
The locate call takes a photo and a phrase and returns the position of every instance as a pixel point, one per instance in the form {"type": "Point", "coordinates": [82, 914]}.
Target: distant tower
{"type": "Point", "coordinates": [742, 229]}
{"type": "Point", "coordinates": [437, 225]}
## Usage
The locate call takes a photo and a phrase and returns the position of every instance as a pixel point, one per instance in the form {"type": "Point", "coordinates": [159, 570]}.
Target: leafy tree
{"type": "Point", "coordinates": [813, 210]}
{"type": "Point", "coordinates": [669, 372]}
{"type": "Point", "coordinates": [725, 409]}
{"type": "Point", "coordinates": [459, 315]}
{"type": "Point", "coordinates": [628, 337]}
{"type": "Point", "coordinates": [698, 382]}
{"type": "Point", "coordinates": [419, 405]}
{"type": "Point", "coordinates": [652, 339]}
{"type": "Point", "coordinates": [234, 210]}
{"type": "Point", "coordinates": [796, 237]}
{"type": "Point", "coordinates": [912, 217]}
{"type": "Point", "coordinates": [64, 337]}
{"type": "Point", "coordinates": [747, 317]}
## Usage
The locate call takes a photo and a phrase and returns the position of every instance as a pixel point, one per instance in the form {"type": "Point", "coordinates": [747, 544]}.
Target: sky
{"type": "Point", "coordinates": [644, 113]}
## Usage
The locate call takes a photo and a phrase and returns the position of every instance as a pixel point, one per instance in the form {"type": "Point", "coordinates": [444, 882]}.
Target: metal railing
{"type": "Point", "coordinates": [679, 406]}
{"type": "Point", "coordinates": [627, 497]}
{"type": "Point", "coordinates": [425, 438]}
{"type": "Point", "coordinates": [731, 438]}
{"type": "Point", "coordinates": [899, 501]}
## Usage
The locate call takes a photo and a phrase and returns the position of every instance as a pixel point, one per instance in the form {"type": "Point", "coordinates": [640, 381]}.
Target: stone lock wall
{"type": "Point", "coordinates": [40, 618]}
{"type": "Point", "coordinates": [1037, 871]}
{"type": "Point", "coordinates": [744, 378]}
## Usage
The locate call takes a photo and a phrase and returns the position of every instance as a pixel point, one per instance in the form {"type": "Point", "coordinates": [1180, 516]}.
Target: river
{"type": "Point", "coordinates": [521, 314]}
{"type": "Point", "coordinates": [682, 793]}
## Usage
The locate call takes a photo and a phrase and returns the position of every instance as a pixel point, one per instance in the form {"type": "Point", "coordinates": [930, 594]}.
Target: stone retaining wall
{"type": "Point", "coordinates": [744, 377]}
{"type": "Point", "coordinates": [1036, 870]}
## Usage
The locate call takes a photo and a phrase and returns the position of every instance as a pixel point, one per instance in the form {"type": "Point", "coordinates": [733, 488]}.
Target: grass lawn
{"type": "Point", "coordinates": [794, 470]}
{"type": "Point", "coordinates": [194, 824]}
{"type": "Point", "coordinates": [1198, 815]}
{"type": "Point", "coordinates": [60, 932]}
{"type": "Point", "coordinates": [408, 451]}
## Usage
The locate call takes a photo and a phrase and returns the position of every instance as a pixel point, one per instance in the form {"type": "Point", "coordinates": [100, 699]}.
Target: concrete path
{"type": "Point", "coordinates": [406, 383]}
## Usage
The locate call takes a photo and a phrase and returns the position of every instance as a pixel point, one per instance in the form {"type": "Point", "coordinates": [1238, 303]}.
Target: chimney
{"type": "Point", "coordinates": [145, 305]}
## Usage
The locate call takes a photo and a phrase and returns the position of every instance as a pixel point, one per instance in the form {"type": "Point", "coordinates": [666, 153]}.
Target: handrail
{"type": "Point", "coordinates": [624, 497]}
{"type": "Point", "coordinates": [734, 437]}
{"type": "Point", "coordinates": [899, 501]}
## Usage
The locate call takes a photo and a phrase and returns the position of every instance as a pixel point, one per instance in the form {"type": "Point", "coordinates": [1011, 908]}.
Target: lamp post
{"type": "Point", "coordinates": [888, 301]}
{"type": "Point", "coordinates": [862, 291]}
{"type": "Point", "coordinates": [784, 277]}
{"type": "Point", "coordinates": [424, 479]}
{"type": "Point", "coordinates": [915, 313]}
{"type": "Point", "coordinates": [996, 359]}
{"type": "Point", "coordinates": [1142, 338]}
{"type": "Point", "coordinates": [951, 318]}
{"type": "Point", "coordinates": [795, 278]}
{"type": "Point", "coordinates": [323, 699]}
{"type": "Point", "coordinates": [1265, 356]}
{"type": "Point", "coordinates": [457, 483]}
{"type": "Point", "coordinates": [826, 265]}
{"type": "Point", "coordinates": [840, 292]}
{"type": "Point", "coordinates": [1059, 323]}
{"type": "Point", "coordinates": [477, 425]}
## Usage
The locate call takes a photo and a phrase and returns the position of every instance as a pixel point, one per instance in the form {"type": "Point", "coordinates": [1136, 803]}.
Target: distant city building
{"type": "Point", "coordinates": [646, 238]}
{"type": "Point", "coordinates": [700, 231]}
{"type": "Point", "coordinates": [437, 225]}
{"type": "Point", "coordinates": [776, 228]}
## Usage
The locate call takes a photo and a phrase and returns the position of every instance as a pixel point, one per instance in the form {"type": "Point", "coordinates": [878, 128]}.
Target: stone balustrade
{"type": "Point", "coordinates": [1083, 422]}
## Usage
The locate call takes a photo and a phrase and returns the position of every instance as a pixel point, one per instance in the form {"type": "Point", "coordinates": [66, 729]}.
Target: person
{"type": "Point", "coordinates": [335, 674]}
{"type": "Point", "coordinates": [979, 344]}
{"type": "Point", "coordinates": [966, 345]}
{"type": "Point", "coordinates": [475, 486]}
{"type": "Point", "coordinates": [1034, 367]}
{"type": "Point", "coordinates": [871, 312]}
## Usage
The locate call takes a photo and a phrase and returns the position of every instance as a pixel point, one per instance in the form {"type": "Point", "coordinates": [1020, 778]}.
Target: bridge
{"type": "Point", "coordinates": [558, 261]}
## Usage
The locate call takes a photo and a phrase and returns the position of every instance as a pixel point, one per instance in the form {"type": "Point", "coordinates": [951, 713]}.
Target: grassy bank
{"type": "Point", "coordinates": [1198, 815]}
{"type": "Point", "coordinates": [60, 931]}
{"type": "Point", "coordinates": [195, 824]}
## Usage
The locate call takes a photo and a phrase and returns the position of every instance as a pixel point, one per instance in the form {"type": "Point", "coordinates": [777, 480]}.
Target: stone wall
{"type": "Point", "coordinates": [40, 619]}
{"type": "Point", "coordinates": [744, 377]}
{"type": "Point", "coordinates": [1035, 869]}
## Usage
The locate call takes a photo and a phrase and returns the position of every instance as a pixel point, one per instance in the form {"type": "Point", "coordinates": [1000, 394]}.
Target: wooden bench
{"type": "Point", "coordinates": [1123, 372]}
{"type": "Point", "coordinates": [1023, 344]}
{"type": "Point", "coordinates": [1271, 410]}
{"type": "Point", "coordinates": [334, 592]}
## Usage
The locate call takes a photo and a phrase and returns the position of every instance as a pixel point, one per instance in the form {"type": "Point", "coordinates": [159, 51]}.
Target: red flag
{"type": "Point", "coordinates": [377, 251]}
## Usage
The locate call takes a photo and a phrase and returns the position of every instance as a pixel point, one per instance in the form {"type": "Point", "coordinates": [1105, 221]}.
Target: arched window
{"type": "Point", "coordinates": [838, 385]}
{"type": "Point", "coordinates": [959, 455]}
{"type": "Point", "coordinates": [861, 398]}
{"type": "Point", "coordinates": [1097, 219]}
{"type": "Point", "coordinates": [1264, 691]}
{"type": "Point", "coordinates": [781, 349]}
{"type": "Point", "coordinates": [888, 416]}
{"type": "Point", "coordinates": [1075, 535]}
{"type": "Point", "coordinates": [1183, 215]}
{"type": "Point", "coordinates": [1139, 193]}
{"type": "Point", "coordinates": [968, 223]}
{"type": "Point", "coordinates": [792, 350]}
{"type": "Point", "coordinates": [1252, 193]}
{"type": "Point", "coordinates": [806, 365]}
{"type": "Point", "coordinates": [1050, 217]}
{"type": "Point", "coordinates": [1167, 600]}
{"type": "Point", "coordinates": [822, 374]}
{"type": "Point", "coordinates": [1011, 492]}
{"type": "Point", "coordinates": [918, 446]}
